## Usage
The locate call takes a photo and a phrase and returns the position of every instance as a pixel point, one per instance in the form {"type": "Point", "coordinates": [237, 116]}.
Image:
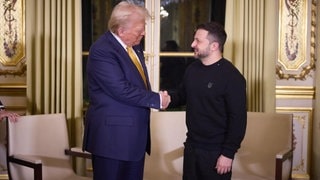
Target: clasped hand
{"type": "Point", "coordinates": [166, 99]}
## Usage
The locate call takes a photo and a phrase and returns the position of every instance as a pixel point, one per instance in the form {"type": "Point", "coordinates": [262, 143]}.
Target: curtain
{"type": "Point", "coordinates": [54, 65]}
{"type": "Point", "coordinates": [252, 46]}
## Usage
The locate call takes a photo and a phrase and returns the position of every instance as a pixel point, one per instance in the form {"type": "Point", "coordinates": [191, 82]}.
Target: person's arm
{"type": "Point", "coordinates": [236, 113]}
{"type": "Point", "coordinates": [237, 117]}
{"type": "Point", "coordinates": [111, 72]}
{"type": "Point", "coordinates": [13, 117]}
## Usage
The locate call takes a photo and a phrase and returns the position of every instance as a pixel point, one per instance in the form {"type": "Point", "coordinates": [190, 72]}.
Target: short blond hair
{"type": "Point", "coordinates": [122, 12]}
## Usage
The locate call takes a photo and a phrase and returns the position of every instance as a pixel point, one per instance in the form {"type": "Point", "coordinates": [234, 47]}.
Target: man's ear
{"type": "Point", "coordinates": [120, 31]}
{"type": "Point", "coordinates": [215, 46]}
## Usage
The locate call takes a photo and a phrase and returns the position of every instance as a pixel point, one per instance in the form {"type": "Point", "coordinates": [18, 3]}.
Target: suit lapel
{"type": "Point", "coordinates": [138, 50]}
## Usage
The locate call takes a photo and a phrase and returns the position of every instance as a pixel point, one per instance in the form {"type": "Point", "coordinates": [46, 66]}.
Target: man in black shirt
{"type": "Point", "coordinates": [214, 92]}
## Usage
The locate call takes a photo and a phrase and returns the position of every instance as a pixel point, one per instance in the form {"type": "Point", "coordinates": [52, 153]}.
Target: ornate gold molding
{"type": "Point", "coordinates": [300, 176]}
{"type": "Point", "coordinates": [12, 42]}
{"type": "Point", "coordinates": [13, 89]}
{"type": "Point", "coordinates": [19, 70]}
{"type": "Point", "coordinates": [295, 92]}
{"type": "Point", "coordinates": [4, 177]}
{"type": "Point", "coordinates": [303, 120]}
{"type": "Point", "coordinates": [17, 109]}
{"type": "Point", "coordinates": [12, 86]}
{"type": "Point", "coordinates": [176, 54]}
{"type": "Point", "coordinates": [12, 32]}
{"type": "Point", "coordinates": [292, 62]}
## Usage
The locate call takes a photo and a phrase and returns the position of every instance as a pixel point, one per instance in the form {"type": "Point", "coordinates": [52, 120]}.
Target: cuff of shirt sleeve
{"type": "Point", "coordinates": [160, 101]}
{"type": "Point", "coordinates": [228, 153]}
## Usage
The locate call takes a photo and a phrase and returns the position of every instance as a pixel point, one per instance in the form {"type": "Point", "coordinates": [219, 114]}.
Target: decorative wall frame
{"type": "Point", "coordinates": [12, 33]}
{"type": "Point", "coordinates": [296, 58]}
{"type": "Point", "coordinates": [302, 137]}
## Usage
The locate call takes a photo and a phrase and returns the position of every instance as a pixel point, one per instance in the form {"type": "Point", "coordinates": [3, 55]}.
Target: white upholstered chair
{"type": "Point", "coordinates": [266, 151]}
{"type": "Point", "coordinates": [37, 148]}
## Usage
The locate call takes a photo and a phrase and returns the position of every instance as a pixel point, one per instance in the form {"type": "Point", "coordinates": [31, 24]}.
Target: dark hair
{"type": "Point", "coordinates": [216, 33]}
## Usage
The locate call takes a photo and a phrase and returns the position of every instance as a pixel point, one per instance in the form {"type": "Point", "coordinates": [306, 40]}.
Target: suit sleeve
{"type": "Point", "coordinates": [114, 76]}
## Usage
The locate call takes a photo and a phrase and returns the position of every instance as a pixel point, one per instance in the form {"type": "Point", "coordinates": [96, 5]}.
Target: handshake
{"type": "Point", "coordinates": [166, 99]}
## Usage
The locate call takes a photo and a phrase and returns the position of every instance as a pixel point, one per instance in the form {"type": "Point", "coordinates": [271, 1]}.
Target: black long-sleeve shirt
{"type": "Point", "coordinates": [215, 98]}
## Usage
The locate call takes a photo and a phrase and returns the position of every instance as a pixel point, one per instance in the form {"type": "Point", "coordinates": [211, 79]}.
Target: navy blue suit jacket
{"type": "Point", "coordinates": [118, 117]}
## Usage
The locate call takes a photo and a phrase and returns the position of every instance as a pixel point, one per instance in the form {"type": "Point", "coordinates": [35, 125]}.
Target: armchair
{"type": "Point", "coordinates": [38, 148]}
{"type": "Point", "coordinates": [266, 151]}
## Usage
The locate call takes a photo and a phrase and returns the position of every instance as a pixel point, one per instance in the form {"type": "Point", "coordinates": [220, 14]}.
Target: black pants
{"type": "Point", "coordinates": [199, 164]}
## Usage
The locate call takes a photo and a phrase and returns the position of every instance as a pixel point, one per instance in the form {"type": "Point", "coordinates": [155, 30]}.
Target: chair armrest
{"type": "Point", "coordinates": [282, 157]}
{"type": "Point", "coordinates": [35, 164]}
{"type": "Point", "coordinates": [77, 152]}
{"type": "Point", "coordinates": [26, 159]}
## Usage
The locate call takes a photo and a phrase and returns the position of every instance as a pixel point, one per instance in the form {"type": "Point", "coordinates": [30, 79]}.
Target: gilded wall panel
{"type": "Point", "coordinates": [302, 123]}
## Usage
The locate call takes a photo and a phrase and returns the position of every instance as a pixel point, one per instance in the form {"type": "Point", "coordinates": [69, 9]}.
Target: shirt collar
{"type": "Point", "coordinates": [119, 40]}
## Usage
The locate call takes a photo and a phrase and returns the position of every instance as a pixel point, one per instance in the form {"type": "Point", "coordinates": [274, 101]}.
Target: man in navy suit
{"type": "Point", "coordinates": [117, 129]}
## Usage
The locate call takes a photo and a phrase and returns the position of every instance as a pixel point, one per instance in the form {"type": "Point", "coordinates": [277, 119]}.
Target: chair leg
{"type": "Point", "coordinates": [278, 169]}
{"type": "Point", "coordinates": [38, 172]}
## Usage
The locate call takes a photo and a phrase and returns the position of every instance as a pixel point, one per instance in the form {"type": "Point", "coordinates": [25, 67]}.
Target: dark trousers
{"type": "Point", "coordinates": [199, 164]}
{"type": "Point", "coordinates": [112, 169]}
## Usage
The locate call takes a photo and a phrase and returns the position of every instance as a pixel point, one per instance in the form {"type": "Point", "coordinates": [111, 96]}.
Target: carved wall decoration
{"type": "Point", "coordinates": [302, 123]}
{"type": "Point", "coordinates": [12, 41]}
{"type": "Point", "coordinates": [296, 48]}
